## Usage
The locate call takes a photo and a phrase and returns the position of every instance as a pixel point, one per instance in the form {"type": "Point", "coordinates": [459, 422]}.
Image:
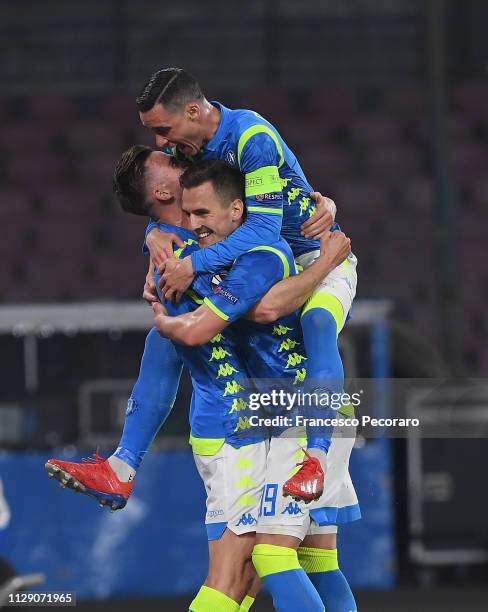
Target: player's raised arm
{"type": "Point", "coordinates": [259, 156]}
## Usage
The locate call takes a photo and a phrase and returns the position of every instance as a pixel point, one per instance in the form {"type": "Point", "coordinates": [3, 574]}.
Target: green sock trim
{"type": "Point", "coordinates": [210, 600]}
{"type": "Point", "coordinates": [246, 603]}
{"type": "Point", "coordinates": [269, 559]}
{"type": "Point", "coordinates": [315, 560]}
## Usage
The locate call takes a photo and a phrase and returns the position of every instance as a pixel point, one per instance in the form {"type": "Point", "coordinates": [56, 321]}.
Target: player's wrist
{"type": "Point", "coordinates": [187, 264]}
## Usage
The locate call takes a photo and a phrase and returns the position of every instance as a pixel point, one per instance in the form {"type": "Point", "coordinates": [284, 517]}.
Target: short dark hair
{"type": "Point", "coordinates": [227, 181]}
{"type": "Point", "coordinates": [171, 87]}
{"type": "Point", "coordinates": [128, 181]}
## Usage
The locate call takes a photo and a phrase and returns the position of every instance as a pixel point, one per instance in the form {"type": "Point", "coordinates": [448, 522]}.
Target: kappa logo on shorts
{"type": "Point", "coordinates": [246, 519]}
{"type": "Point", "coordinates": [292, 509]}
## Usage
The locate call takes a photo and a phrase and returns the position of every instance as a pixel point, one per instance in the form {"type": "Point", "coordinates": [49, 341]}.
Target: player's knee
{"type": "Point", "coordinates": [320, 320]}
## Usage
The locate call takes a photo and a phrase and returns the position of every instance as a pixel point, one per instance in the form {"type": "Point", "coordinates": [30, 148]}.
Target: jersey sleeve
{"type": "Point", "coordinates": [259, 156]}
{"type": "Point", "coordinates": [150, 226]}
{"type": "Point", "coordinates": [249, 279]}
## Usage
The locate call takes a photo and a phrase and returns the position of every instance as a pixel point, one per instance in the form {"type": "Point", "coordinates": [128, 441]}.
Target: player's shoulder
{"type": "Point", "coordinates": [276, 254]}
{"type": "Point", "coordinates": [244, 120]}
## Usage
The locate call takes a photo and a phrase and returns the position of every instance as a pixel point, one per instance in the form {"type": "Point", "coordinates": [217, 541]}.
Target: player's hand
{"type": "Point", "coordinates": [160, 245]}
{"type": "Point", "coordinates": [335, 246]}
{"type": "Point", "coordinates": [176, 277]}
{"type": "Point", "coordinates": [323, 218]}
{"type": "Point", "coordinates": [159, 312]}
{"type": "Point", "coordinates": [149, 292]}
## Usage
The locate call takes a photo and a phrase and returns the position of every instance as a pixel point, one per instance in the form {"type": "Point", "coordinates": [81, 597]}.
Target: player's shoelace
{"type": "Point", "coordinates": [95, 459]}
{"type": "Point", "coordinates": [309, 466]}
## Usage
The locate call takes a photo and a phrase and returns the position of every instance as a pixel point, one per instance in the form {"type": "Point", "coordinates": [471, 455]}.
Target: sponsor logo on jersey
{"type": "Point", "coordinates": [225, 293]}
{"type": "Point", "coordinates": [231, 158]}
{"type": "Point", "coordinates": [269, 197]}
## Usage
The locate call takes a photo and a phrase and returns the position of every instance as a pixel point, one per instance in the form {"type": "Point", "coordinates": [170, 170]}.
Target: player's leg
{"type": "Point", "coordinates": [276, 562]}
{"type": "Point", "coordinates": [111, 481]}
{"type": "Point", "coordinates": [229, 580]}
{"type": "Point", "coordinates": [323, 317]}
{"type": "Point", "coordinates": [233, 481]}
{"type": "Point", "coordinates": [318, 557]}
{"type": "Point", "coordinates": [281, 527]}
{"type": "Point", "coordinates": [338, 505]}
{"type": "Point", "coordinates": [255, 586]}
{"type": "Point", "coordinates": [150, 402]}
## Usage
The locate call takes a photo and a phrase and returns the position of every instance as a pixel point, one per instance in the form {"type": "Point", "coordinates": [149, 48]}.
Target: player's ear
{"type": "Point", "coordinates": [193, 111]}
{"type": "Point", "coordinates": [162, 194]}
{"type": "Point", "coordinates": [237, 209]}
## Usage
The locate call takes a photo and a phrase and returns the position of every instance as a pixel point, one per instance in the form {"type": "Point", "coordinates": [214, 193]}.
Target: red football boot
{"type": "Point", "coordinates": [94, 477]}
{"type": "Point", "coordinates": [308, 483]}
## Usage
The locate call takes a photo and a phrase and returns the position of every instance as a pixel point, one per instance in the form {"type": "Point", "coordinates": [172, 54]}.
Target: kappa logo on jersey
{"type": "Point", "coordinates": [292, 509]}
{"type": "Point", "coordinates": [231, 158]}
{"type": "Point", "coordinates": [246, 519]}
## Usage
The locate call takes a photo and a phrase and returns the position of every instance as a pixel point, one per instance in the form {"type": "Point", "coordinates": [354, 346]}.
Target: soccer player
{"type": "Point", "coordinates": [224, 299]}
{"type": "Point", "coordinates": [173, 106]}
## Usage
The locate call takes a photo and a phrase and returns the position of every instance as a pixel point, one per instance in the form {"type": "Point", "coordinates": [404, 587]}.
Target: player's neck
{"type": "Point", "coordinates": [211, 120]}
{"type": "Point", "coordinates": [172, 214]}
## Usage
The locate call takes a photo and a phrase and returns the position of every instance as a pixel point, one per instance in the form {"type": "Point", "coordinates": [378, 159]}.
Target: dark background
{"type": "Point", "coordinates": [385, 103]}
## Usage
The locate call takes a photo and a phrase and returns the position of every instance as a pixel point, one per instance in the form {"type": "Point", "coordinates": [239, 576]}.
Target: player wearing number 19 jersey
{"type": "Point", "coordinates": [274, 350]}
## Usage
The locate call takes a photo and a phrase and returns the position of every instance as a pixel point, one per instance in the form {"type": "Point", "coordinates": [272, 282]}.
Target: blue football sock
{"type": "Point", "coordinates": [152, 398]}
{"type": "Point", "coordinates": [323, 570]}
{"type": "Point", "coordinates": [282, 575]}
{"type": "Point", "coordinates": [324, 366]}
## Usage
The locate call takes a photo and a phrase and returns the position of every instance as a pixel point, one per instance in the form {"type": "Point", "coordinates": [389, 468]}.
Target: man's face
{"type": "Point", "coordinates": [162, 172]}
{"type": "Point", "coordinates": [210, 221]}
{"type": "Point", "coordinates": [180, 129]}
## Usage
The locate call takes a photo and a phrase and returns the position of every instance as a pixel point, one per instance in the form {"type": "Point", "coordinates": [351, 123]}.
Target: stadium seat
{"type": "Point", "coordinates": [26, 137]}
{"type": "Point", "coordinates": [324, 163]}
{"type": "Point", "coordinates": [95, 137]}
{"type": "Point", "coordinates": [33, 171]}
{"type": "Point", "coordinates": [97, 169]}
{"type": "Point", "coordinates": [467, 162]}
{"type": "Point", "coordinates": [375, 130]}
{"type": "Point", "coordinates": [460, 128]}
{"type": "Point", "coordinates": [51, 109]}
{"type": "Point", "coordinates": [418, 194]}
{"type": "Point", "coordinates": [392, 163]}
{"type": "Point", "coordinates": [14, 204]}
{"type": "Point", "coordinates": [408, 101]}
{"type": "Point", "coordinates": [472, 98]}
{"type": "Point", "coordinates": [337, 101]}
{"type": "Point", "coordinates": [75, 202]}
{"type": "Point", "coordinates": [118, 107]}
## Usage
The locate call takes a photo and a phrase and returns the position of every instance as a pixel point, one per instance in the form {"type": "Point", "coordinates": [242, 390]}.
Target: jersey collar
{"type": "Point", "coordinates": [214, 142]}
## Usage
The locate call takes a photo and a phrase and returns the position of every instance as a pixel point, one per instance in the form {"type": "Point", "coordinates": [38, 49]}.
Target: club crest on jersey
{"type": "Point", "coordinates": [231, 158]}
